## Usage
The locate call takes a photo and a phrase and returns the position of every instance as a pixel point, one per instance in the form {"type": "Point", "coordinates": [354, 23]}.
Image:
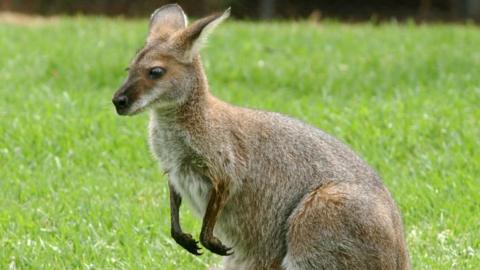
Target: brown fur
{"type": "Point", "coordinates": [278, 193]}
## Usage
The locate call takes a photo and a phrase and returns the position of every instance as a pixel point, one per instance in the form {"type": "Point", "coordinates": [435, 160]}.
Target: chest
{"type": "Point", "coordinates": [183, 165]}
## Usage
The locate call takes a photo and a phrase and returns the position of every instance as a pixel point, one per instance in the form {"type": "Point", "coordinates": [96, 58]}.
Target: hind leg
{"type": "Point", "coordinates": [336, 228]}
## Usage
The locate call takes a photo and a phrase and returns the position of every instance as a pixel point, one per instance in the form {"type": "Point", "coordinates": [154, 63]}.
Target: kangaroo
{"type": "Point", "coordinates": [273, 192]}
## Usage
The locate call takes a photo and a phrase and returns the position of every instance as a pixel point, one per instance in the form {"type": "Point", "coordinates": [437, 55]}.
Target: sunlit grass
{"type": "Point", "coordinates": [79, 189]}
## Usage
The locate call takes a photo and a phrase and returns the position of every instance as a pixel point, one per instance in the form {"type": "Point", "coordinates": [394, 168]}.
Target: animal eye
{"type": "Point", "coordinates": [156, 72]}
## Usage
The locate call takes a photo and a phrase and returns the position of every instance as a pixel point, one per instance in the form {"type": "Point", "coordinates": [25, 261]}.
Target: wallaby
{"type": "Point", "coordinates": [274, 192]}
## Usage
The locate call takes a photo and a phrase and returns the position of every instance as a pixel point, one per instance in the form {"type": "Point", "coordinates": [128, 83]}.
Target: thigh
{"type": "Point", "coordinates": [335, 228]}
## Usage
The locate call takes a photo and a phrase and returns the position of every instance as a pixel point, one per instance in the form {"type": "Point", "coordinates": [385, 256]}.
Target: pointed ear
{"type": "Point", "coordinates": [165, 21]}
{"type": "Point", "coordinates": [191, 39]}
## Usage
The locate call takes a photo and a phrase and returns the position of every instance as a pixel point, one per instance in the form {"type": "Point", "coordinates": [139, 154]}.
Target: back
{"type": "Point", "coordinates": [302, 153]}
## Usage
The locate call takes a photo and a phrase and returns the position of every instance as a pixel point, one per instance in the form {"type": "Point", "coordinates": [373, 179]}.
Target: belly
{"type": "Point", "coordinates": [193, 188]}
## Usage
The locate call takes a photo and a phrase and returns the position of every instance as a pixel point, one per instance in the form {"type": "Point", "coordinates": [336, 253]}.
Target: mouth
{"type": "Point", "coordinates": [136, 111]}
{"type": "Point", "coordinates": [130, 110]}
{"type": "Point", "coordinates": [121, 111]}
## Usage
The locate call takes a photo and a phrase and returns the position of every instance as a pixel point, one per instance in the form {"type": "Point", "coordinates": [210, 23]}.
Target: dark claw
{"type": "Point", "coordinates": [187, 242]}
{"type": "Point", "coordinates": [215, 246]}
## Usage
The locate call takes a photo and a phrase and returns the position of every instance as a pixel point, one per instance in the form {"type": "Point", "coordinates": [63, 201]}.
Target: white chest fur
{"type": "Point", "coordinates": [169, 147]}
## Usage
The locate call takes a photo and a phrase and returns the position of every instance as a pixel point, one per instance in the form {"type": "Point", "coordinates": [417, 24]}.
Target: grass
{"type": "Point", "coordinates": [79, 189]}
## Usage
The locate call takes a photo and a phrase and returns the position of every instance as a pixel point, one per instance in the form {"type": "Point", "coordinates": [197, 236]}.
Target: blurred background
{"type": "Point", "coordinates": [347, 10]}
{"type": "Point", "coordinates": [79, 189]}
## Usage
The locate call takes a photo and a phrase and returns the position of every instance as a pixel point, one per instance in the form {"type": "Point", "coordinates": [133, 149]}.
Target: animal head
{"type": "Point", "coordinates": [165, 71]}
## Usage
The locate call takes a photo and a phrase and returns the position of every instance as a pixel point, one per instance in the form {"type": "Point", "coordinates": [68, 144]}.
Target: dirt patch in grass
{"type": "Point", "coordinates": [24, 19]}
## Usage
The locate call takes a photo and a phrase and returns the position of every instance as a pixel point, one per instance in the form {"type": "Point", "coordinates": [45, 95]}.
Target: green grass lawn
{"type": "Point", "coordinates": [80, 190]}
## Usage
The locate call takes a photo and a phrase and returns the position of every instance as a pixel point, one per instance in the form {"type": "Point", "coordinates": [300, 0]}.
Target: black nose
{"type": "Point", "coordinates": [121, 102]}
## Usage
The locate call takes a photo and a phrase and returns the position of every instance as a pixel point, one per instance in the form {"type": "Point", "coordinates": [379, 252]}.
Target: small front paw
{"type": "Point", "coordinates": [187, 242]}
{"type": "Point", "coordinates": [215, 246]}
